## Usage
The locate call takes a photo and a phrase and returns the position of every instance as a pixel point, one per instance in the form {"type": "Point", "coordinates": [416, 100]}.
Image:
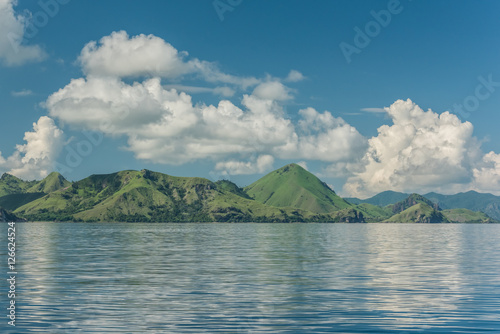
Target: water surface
{"type": "Point", "coordinates": [255, 278]}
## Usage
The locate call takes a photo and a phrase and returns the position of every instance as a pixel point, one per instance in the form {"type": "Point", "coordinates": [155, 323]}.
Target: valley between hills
{"type": "Point", "coordinates": [288, 194]}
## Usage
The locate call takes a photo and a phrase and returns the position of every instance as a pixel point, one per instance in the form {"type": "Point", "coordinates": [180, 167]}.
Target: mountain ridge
{"type": "Point", "coordinates": [153, 196]}
{"type": "Point", "coordinates": [288, 194]}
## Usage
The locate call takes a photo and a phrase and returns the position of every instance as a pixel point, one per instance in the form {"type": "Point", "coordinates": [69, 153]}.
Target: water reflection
{"type": "Point", "coordinates": [288, 278]}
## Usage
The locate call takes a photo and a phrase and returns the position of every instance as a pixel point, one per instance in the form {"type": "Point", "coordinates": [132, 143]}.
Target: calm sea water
{"type": "Point", "coordinates": [254, 278]}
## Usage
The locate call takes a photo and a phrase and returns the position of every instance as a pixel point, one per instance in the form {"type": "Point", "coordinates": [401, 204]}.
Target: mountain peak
{"type": "Point", "coordinates": [412, 200]}
{"type": "Point", "coordinates": [293, 186]}
{"type": "Point", "coordinates": [7, 176]}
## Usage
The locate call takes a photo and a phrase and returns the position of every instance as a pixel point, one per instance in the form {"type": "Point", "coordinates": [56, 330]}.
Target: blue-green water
{"type": "Point", "coordinates": [254, 278]}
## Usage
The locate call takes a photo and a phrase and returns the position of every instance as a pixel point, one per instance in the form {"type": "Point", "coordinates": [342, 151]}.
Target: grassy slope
{"type": "Point", "coordinates": [487, 203]}
{"type": "Point", "coordinates": [53, 182]}
{"type": "Point", "coordinates": [16, 192]}
{"type": "Point", "coordinates": [145, 195]}
{"type": "Point", "coordinates": [374, 213]}
{"type": "Point", "coordinates": [10, 184]}
{"type": "Point", "coordinates": [467, 216]}
{"type": "Point", "coordinates": [293, 186]}
{"type": "Point", "coordinates": [410, 201]}
{"type": "Point", "coordinates": [419, 213]}
{"type": "Point", "coordinates": [382, 199]}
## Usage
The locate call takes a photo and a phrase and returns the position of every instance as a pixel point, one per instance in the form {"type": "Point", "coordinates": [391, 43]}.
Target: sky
{"type": "Point", "coordinates": [367, 95]}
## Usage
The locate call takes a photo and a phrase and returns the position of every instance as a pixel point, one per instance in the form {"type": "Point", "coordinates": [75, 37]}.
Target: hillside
{"type": "Point", "coordinates": [293, 186]}
{"type": "Point", "coordinates": [151, 196]}
{"type": "Point", "coordinates": [468, 216]}
{"type": "Point", "coordinates": [288, 194]}
{"type": "Point", "coordinates": [382, 199]}
{"type": "Point", "coordinates": [474, 201]}
{"type": "Point", "coordinates": [374, 213]}
{"type": "Point", "coordinates": [418, 213]}
{"type": "Point", "coordinates": [53, 182]}
{"type": "Point", "coordinates": [10, 184]}
{"type": "Point", "coordinates": [410, 201]}
{"type": "Point", "coordinates": [15, 192]}
{"type": "Point", "coordinates": [14, 201]}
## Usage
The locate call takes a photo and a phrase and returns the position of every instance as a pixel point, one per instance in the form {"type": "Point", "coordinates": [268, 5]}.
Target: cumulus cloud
{"type": "Point", "coordinates": [220, 91]}
{"type": "Point", "coordinates": [163, 125]}
{"type": "Point", "coordinates": [13, 49]}
{"type": "Point", "coordinates": [295, 76]}
{"type": "Point", "coordinates": [272, 90]}
{"type": "Point", "coordinates": [262, 164]}
{"type": "Point", "coordinates": [122, 56]}
{"type": "Point", "coordinates": [422, 151]}
{"type": "Point", "coordinates": [320, 136]}
{"type": "Point", "coordinates": [36, 158]}
{"type": "Point", "coordinates": [487, 174]}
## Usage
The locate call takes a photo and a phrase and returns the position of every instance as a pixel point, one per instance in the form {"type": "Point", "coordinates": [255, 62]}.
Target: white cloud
{"type": "Point", "coordinates": [263, 163]}
{"type": "Point", "coordinates": [374, 110]}
{"type": "Point", "coordinates": [13, 49]}
{"type": "Point", "coordinates": [22, 93]}
{"type": "Point", "coordinates": [162, 124]}
{"type": "Point", "coordinates": [320, 136]}
{"type": "Point", "coordinates": [119, 55]}
{"type": "Point", "coordinates": [294, 76]}
{"type": "Point", "coordinates": [422, 151]}
{"type": "Point", "coordinates": [36, 158]}
{"type": "Point", "coordinates": [221, 91]}
{"type": "Point", "coordinates": [272, 90]}
{"type": "Point", "coordinates": [487, 174]}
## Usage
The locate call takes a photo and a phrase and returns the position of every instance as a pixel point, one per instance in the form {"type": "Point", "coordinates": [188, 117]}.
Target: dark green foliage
{"type": "Point", "coordinates": [14, 201]}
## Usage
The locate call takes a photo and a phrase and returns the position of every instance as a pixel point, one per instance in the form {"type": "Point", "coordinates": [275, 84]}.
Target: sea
{"type": "Point", "coordinates": [252, 278]}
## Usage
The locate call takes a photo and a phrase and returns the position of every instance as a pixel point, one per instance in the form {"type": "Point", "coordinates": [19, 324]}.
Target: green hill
{"type": "Point", "coordinates": [467, 216]}
{"type": "Point", "coordinates": [289, 194]}
{"type": "Point", "coordinates": [15, 192]}
{"type": "Point", "coordinates": [382, 199]}
{"type": "Point", "coordinates": [10, 184]}
{"type": "Point", "coordinates": [53, 182]}
{"type": "Point", "coordinates": [418, 213]}
{"type": "Point", "coordinates": [374, 213]}
{"type": "Point", "coordinates": [151, 196]}
{"type": "Point", "coordinates": [487, 203]}
{"type": "Point", "coordinates": [293, 186]}
{"type": "Point", "coordinates": [410, 201]}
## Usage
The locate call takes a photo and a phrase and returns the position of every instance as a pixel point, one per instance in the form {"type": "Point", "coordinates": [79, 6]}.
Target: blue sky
{"type": "Point", "coordinates": [233, 89]}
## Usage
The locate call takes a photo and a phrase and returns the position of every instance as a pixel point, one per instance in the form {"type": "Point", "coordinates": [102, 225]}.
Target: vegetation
{"type": "Point", "coordinates": [374, 213]}
{"type": "Point", "coordinates": [382, 199]}
{"type": "Point", "coordinates": [419, 213]}
{"type": "Point", "coordinates": [293, 186]}
{"type": "Point", "coordinates": [289, 194]}
{"type": "Point", "coordinates": [471, 200]}
{"type": "Point", "coordinates": [467, 216]}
